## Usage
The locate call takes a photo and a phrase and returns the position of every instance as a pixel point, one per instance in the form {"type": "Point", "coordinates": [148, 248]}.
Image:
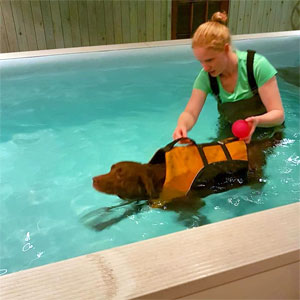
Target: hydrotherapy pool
{"type": "Point", "coordinates": [68, 118]}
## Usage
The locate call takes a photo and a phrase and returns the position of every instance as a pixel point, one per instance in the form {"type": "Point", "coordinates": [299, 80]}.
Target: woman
{"type": "Point", "coordinates": [254, 98]}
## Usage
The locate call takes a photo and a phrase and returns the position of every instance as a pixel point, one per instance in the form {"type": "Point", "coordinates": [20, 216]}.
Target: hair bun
{"type": "Point", "coordinates": [220, 17]}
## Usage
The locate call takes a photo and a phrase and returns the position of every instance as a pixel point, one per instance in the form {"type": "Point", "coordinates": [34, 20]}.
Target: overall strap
{"type": "Point", "coordinates": [250, 74]}
{"type": "Point", "coordinates": [214, 87]}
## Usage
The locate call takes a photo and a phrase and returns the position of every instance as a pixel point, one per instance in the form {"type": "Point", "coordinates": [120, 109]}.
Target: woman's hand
{"type": "Point", "coordinates": [252, 122]}
{"type": "Point", "coordinates": [189, 116]}
{"type": "Point", "coordinates": [179, 132]}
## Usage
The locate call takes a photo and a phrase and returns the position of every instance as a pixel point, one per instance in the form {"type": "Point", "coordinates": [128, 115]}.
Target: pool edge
{"type": "Point", "coordinates": [117, 47]}
{"type": "Point", "coordinates": [159, 268]}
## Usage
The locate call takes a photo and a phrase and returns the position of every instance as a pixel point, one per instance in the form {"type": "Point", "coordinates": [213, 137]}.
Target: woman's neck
{"type": "Point", "coordinates": [232, 65]}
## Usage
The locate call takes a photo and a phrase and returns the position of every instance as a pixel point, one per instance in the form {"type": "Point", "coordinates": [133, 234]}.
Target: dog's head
{"type": "Point", "coordinates": [128, 180]}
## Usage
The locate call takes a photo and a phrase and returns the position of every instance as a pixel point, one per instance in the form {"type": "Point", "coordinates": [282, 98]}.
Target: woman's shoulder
{"type": "Point", "coordinates": [242, 55]}
{"type": "Point", "coordinates": [202, 81]}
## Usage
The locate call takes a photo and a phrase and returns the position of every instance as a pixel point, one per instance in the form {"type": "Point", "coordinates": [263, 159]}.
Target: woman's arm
{"type": "Point", "coordinates": [189, 116]}
{"type": "Point", "coordinates": [270, 96]}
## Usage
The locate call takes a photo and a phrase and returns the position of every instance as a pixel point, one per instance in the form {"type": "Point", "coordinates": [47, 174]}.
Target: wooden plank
{"type": "Point", "coordinates": [126, 26]}
{"type": "Point", "coordinates": [279, 15]}
{"type": "Point", "coordinates": [101, 22]}
{"type": "Point", "coordinates": [57, 27]}
{"type": "Point", "coordinates": [157, 20]}
{"type": "Point", "coordinates": [29, 26]}
{"type": "Point", "coordinates": [260, 12]}
{"type": "Point", "coordinates": [241, 13]}
{"type": "Point", "coordinates": [273, 13]}
{"type": "Point", "coordinates": [38, 24]}
{"type": "Point", "coordinates": [164, 20]}
{"type": "Point", "coordinates": [294, 12]}
{"type": "Point", "coordinates": [74, 20]}
{"type": "Point", "coordinates": [169, 18]}
{"type": "Point", "coordinates": [253, 18]}
{"type": "Point", "coordinates": [174, 18]}
{"type": "Point", "coordinates": [247, 17]}
{"type": "Point", "coordinates": [65, 22]}
{"type": "Point", "coordinates": [48, 26]}
{"type": "Point", "coordinates": [92, 22]}
{"type": "Point", "coordinates": [149, 20]}
{"type": "Point", "coordinates": [233, 16]}
{"type": "Point", "coordinates": [10, 26]}
{"type": "Point", "coordinates": [109, 24]}
{"type": "Point", "coordinates": [141, 21]}
{"type": "Point", "coordinates": [4, 47]}
{"type": "Point", "coordinates": [133, 21]}
{"type": "Point", "coordinates": [284, 20]}
{"type": "Point", "coordinates": [19, 25]}
{"type": "Point", "coordinates": [266, 16]}
{"type": "Point", "coordinates": [117, 20]}
{"type": "Point", "coordinates": [83, 23]}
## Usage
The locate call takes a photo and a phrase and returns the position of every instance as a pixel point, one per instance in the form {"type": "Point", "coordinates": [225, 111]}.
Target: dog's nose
{"type": "Point", "coordinates": [94, 179]}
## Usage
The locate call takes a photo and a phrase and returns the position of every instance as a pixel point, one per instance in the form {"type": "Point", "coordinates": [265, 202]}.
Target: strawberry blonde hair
{"type": "Point", "coordinates": [213, 34]}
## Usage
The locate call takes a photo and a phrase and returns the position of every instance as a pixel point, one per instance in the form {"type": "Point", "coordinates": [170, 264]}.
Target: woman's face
{"type": "Point", "coordinates": [214, 62]}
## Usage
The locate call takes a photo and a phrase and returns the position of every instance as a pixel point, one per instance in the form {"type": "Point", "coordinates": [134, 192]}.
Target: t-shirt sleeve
{"type": "Point", "coordinates": [202, 82]}
{"type": "Point", "coordinates": [263, 70]}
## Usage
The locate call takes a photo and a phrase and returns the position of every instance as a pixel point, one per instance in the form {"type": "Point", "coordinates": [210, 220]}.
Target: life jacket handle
{"type": "Point", "coordinates": [183, 140]}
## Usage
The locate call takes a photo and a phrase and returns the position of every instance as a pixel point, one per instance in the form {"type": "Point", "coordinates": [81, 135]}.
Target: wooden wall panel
{"type": "Point", "coordinates": [29, 25]}
{"type": "Point", "coordinates": [169, 18]}
{"type": "Point", "coordinates": [157, 21]}
{"type": "Point", "coordinates": [141, 21]}
{"type": "Point", "coordinates": [263, 16]}
{"type": "Point", "coordinates": [266, 16]}
{"type": "Point", "coordinates": [83, 23]}
{"type": "Point", "coordinates": [92, 22]}
{"type": "Point", "coordinates": [4, 46]}
{"type": "Point", "coordinates": [253, 15]}
{"type": "Point", "coordinates": [259, 20]}
{"type": "Point", "coordinates": [38, 24]}
{"type": "Point", "coordinates": [149, 21]}
{"type": "Point", "coordinates": [57, 25]}
{"type": "Point", "coordinates": [125, 6]}
{"type": "Point", "coordinates": [74, 19]}
{"type": "Point", "coordinates": [233, 15]}
{"type": "Point", "coordinates": [66, 23]}
{"type": "Point", "coordinates": [8, 20]}
{"type": "Point", "coordinates": [241, 14]}
{"type": "Point", "coordinates": [19, 25]}
{"type": "Point", "coordinates": [117, 20]}
{"type": "Point", "coordinates": [164, 20]}
{"type": "Point", "coordinates": [109, 24]}
{"type": "Point", "coordinates": [47, 24]}
{"type": "Point", "coordinates": [100, 23]}
{"type": "Point", "coordinates": [133, 10]}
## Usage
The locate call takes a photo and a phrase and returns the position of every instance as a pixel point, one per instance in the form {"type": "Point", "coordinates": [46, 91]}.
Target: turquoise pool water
{"type": "Point", "coordinates": [67, 118]}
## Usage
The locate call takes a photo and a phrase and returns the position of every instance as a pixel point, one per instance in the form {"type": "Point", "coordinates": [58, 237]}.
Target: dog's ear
{"type": "Point", "coordinates": [147, 180]}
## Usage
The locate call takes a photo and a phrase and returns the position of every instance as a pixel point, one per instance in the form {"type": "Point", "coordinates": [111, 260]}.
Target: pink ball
{"type": "Point", "coordinates": [240, 129]}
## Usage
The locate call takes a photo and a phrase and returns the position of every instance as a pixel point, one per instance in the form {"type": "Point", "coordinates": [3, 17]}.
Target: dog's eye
{"type": "Point", "coordinates": [119, 172]}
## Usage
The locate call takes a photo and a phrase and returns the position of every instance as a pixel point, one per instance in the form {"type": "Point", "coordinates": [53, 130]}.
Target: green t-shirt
{"type": "Point", "coordinates": [263, 71]}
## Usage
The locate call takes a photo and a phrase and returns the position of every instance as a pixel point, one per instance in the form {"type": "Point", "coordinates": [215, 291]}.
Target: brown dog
{"type": "Point", "coordinates": [136, 181]}
{"type": "Point", "coordinates": [132, 180]}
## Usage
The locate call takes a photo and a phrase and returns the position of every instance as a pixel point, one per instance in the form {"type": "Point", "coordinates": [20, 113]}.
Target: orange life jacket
{"type": "Point", "coordinates": [194, 165]}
